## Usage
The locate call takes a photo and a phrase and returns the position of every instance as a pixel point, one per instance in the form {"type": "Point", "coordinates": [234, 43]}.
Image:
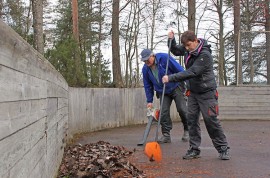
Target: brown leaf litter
{"type": "Point", "coordinates": [98, 160]}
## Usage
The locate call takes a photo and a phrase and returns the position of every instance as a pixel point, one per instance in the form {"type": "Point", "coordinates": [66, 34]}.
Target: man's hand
{"type": "Point", "coordinates": [149, 105]}
{"type": "Point", "coordinates": [165, 79]}
{"type": "Point", "coordinates": [171, 34]}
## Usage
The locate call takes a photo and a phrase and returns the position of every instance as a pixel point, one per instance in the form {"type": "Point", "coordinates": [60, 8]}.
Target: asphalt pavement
{"type": "Point", "coordinates": [249, 142]}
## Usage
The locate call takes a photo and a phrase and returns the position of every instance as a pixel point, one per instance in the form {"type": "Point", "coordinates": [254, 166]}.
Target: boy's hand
{"type": "Point", "coordinates": [165, 79]}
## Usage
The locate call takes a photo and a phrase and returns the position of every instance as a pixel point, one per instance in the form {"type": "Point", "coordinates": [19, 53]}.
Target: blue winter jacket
{"type": "Point", "coordinates": [150, 82]}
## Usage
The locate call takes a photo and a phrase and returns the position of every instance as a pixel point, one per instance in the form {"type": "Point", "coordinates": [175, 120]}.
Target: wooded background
{"type": "Point", "coordinates": [95, 43]}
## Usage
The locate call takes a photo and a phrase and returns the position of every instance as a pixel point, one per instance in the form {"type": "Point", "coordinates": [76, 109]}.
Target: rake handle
{"type": "Point", "coordinates": [163, 91]}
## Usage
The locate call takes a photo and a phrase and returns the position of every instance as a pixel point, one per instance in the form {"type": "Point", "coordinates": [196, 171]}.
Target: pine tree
{"type": "Point", "coordinates": [66, 47]}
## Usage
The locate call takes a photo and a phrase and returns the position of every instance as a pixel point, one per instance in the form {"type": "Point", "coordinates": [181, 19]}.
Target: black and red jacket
{"type": "Point", "coordinates": [199, 67]}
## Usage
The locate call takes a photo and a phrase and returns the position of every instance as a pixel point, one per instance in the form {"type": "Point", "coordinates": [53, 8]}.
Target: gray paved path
{"type": "Point", "coordinates": [249, 142]}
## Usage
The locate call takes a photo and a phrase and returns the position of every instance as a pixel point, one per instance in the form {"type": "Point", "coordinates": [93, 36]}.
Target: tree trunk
{"type": "Point", "coordinates": [90, 68]}
{"type": "Point", "coordinates": [251, 61]}
{"type": "Point", "coordinates": [128, 44]}
{"type": "Point", "coordinates": [221, 60]}
{"type": "Point", "coordinates": [249, 38]}
{"type": "Point", "coordinates": [267, 28]}
{"type": "Point", "coordinates": [117, 78]}
{"type": "Point", "coordinates": [28, 23]}
{"type": "Point", "coordinates": [238, 62]}
{"type": "Point", "coordinates": [99, 44]}
{"type": "Point", "coordinates": [155, 7]}
{"type": "Point", "coordinates": [130, 34]}
{"type": "Point", "coordinates": [191, 14]}
{"type": "Point", "coordinates": [136, 47]}
{"type": "Point", "coordinates": [75, 25]}
{"type": "Point", "coordinates": [179, 31]}
{"type": "Point", "coordinates": [1, 8]}
{"type": "Point", "coordinates": [75, 20]}
{"type": "Point", "coordinates": [38, 25]}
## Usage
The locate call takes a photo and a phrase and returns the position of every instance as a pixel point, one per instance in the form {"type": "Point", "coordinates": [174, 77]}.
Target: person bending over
{"type": "Point", "coordinates": [153, 70]}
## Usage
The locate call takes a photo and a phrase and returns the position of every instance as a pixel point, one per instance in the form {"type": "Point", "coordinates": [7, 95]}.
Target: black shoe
{"type": "Point", "coordinates": [164, 139]}
{"type": "Point", "coordinates": [224, 153]}
{"type": "Point", "coordinates": [185, 137]}
{"type": "Point", "coordinates": [192, 154]}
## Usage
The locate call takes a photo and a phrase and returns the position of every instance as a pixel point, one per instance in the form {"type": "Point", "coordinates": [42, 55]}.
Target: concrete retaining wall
{"type": "Point", "coordinates": [97, 109]}
{"type": "Point", "coordinates": [245, 102]}
{"type": "Point", "coordinates": [33, 110]}
{"type": "Point", "coordinates": [94, 109]}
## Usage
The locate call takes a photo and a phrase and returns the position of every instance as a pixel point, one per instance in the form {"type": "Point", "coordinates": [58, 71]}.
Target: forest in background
{"type": "Point", "coordinates": [95, 43]}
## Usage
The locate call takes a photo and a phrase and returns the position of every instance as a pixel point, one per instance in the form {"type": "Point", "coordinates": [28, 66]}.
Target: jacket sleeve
{"type": "Point", "coordinates": [174, 66]}
{"type": "Point", "coordinates": [148, 87]}
{"type": "Point", "coordinates": [199, 66]}
{"type": "Point", "coordinates": [177, 50]}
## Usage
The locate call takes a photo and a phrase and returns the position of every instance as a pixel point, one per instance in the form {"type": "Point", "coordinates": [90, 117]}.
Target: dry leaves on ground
{"type": "Point", "coordinates": [97, 160]}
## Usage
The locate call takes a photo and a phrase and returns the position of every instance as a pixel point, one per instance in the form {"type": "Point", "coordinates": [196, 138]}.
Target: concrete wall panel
{"type": "Point", "coordinates": [33, 110]}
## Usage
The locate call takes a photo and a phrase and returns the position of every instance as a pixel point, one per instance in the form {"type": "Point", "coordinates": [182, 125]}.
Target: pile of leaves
{"type": "Point", "coordinates": [97, 160]}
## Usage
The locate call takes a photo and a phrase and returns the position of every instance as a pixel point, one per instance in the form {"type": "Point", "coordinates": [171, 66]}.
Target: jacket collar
{"type": "Point", "coordinates": [195, 52]}
{"type": "Point", "coordinates": [198, 48]}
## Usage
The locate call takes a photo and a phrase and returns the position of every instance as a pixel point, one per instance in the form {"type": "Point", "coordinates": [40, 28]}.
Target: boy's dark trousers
{"type": "Point", "coordinates": [207, 104]}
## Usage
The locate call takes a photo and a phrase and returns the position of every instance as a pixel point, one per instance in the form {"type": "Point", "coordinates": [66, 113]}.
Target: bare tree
{"type": "Point", "coordinates": [37, 9]}
{"type": "Point", "coordinates": [218, 4]}
{"type": "Point", "coordinates": [267, 29]}
{"type": "Point", "coordinates": [137, 27]}
{"type": "Point", "coordinates": [130, 34]}
{"type": "Point", "coordinates": [149, 18]}
{"type": "Point", "coordinates": [248, 19]}
{"type": "Point", "coordinates": [249, 28]}
{"type": "Point", "coordinates": [238, 62]}
{"type": "Point", "coordinates": [117, 78]}
{"type": "Point", "coordinates": [191, 14]}
{"type": "Point", "coordinates": [135, 74]}
{"type": "Point", "coordinates": [178, 16]}
{"type": "Point", "coordinates": [155, 7]}
{"type": "Point", "coordinates": [252, 18]}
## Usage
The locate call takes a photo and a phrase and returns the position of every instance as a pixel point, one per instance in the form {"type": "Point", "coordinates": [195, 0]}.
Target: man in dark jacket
{"type": "Point", "coordinates": [153, 71]}
{"type": "Point", "coordinates": [203, 94]}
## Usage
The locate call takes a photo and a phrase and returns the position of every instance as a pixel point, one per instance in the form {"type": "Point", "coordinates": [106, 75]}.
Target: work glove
{"type": "Point", "coordinates": [187, 94]}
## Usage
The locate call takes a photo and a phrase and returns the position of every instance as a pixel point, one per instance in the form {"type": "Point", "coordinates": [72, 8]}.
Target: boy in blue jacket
{"type": "Point", "coordinates": [153, 71]}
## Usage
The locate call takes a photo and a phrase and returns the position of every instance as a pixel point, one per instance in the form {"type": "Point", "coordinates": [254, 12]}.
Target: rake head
{"type": "Point", "coordinates": [153, 151]}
